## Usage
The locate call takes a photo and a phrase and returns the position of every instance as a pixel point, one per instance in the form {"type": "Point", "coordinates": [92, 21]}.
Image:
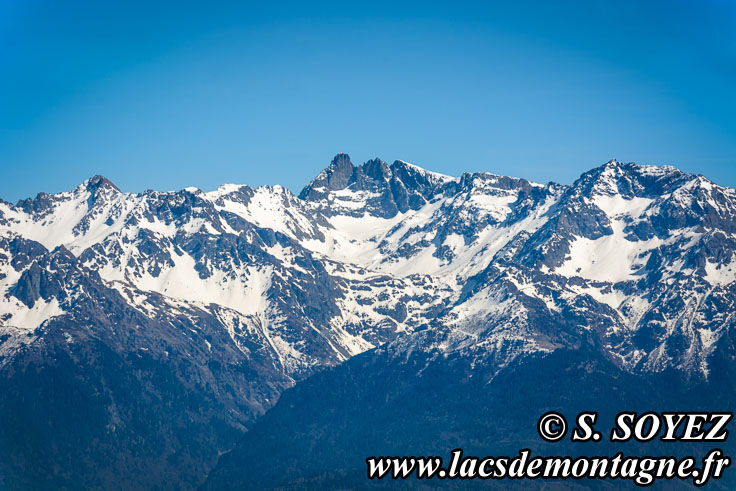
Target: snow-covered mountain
{"type": "Point", "coordinates": [198, 309]}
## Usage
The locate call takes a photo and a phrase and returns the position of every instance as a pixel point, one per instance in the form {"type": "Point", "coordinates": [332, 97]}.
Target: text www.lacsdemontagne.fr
{"type": "Point", "coordinates": [643, 471]}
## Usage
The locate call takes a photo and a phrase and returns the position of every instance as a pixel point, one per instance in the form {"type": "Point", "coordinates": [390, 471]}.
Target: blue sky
{"type": "Point", "coordinates": [180, 94]}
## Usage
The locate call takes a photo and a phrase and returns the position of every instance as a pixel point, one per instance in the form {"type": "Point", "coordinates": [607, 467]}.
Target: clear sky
{"type": "Point", "coordinates": [165, 95]}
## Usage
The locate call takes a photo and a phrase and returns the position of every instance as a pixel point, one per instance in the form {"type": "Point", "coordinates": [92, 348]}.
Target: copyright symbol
{"type": "Point", "coordinates": [552, 426]}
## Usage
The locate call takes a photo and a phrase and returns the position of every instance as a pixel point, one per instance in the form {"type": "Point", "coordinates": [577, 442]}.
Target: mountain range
{"type": "Point", "coordinates": [248, 337]}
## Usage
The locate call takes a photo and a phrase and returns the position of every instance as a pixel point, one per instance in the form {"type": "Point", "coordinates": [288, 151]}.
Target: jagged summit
{"type": "Point", "coordinates": [336, 176]}
{"type": "Point", "coordinates": [379, 189]}
{"type": "Point", "coordinates": [98, 181]}
{"type": "Point", "coordinates": [342, 172]}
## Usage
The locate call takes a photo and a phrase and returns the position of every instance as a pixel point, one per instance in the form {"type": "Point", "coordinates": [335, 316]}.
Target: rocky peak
{"type": "Point", "coordinates": [100, 189]}
{"type": "Point", "coordinates": [629, 180]}
{"type": "Point", "coordinates": [100, 182]}
{"type": "Point", "coordinates": [377, 169]}
{"type": "Point", "coordinates": [377, 188]}
{"type": "Point", "coordinates": [336, 176]}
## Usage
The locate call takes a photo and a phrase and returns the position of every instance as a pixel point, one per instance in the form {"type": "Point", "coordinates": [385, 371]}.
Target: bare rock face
{"type": "Point", "coordinates": [374, 188]}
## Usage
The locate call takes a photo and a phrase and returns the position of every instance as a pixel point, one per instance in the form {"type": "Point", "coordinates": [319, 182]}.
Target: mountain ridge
{"type": "Point", "coordinates": [253, 290]}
